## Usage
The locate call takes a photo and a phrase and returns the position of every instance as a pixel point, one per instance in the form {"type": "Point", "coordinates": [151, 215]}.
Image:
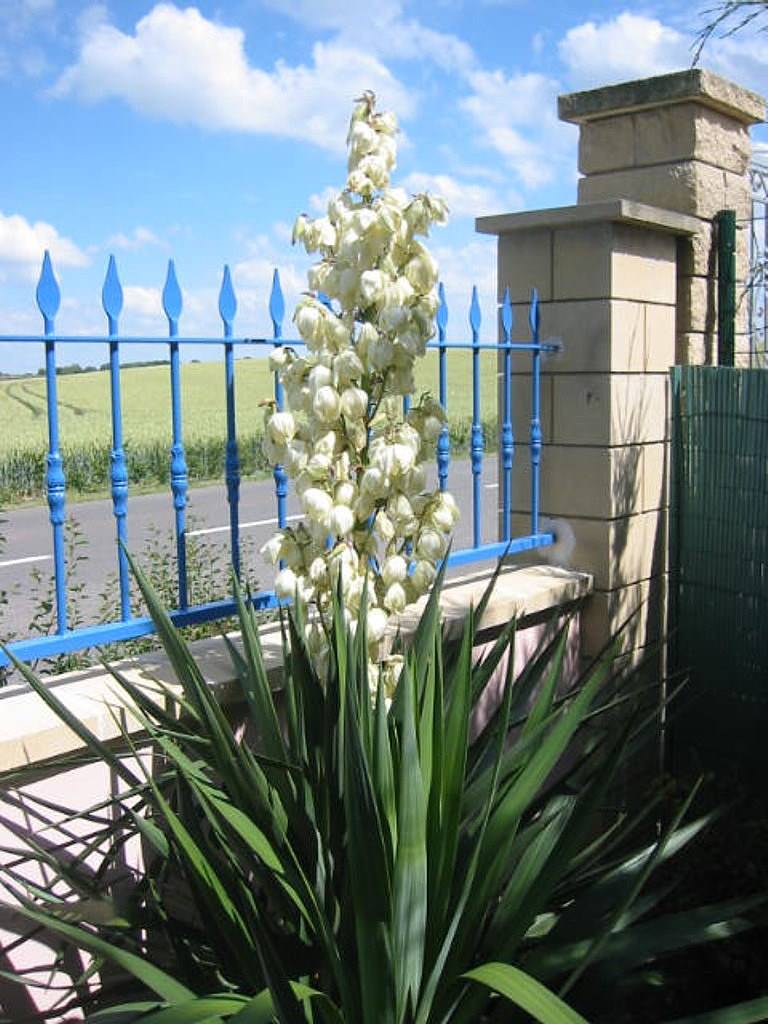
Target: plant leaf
{"type": "Point", "coordinates": [527, 993]}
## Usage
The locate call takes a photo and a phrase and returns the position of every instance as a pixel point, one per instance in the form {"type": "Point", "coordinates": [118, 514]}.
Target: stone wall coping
{"type": "Point", "coordinates": [31, 733]}
{"type": "Point", "coordinates": [617, 211]}
{"type": "Point", "coordinates": [696, 85]}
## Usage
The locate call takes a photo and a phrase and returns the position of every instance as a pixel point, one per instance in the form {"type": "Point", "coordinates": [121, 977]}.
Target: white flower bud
{"type": "Point", "coordinates": [285, 584]}
{"type": "Point", "coordinates": [372, 284]}
{"type": "Point", "coordinates": [319, 376]}
{"type": "Point", "coordinates": [271, 550]}
{"type": "Point", "coordinates": [345, 493]}
{"type": "Point", "coordinates": [445, 512]}
{"type": "Point", "coordinates": [430, 545]}
{"type": "Point", "coordinates": [383, 526]}
{"type": "Point", "coordinates": [341, 520]}
{"type": "Point", "coordinates": [347, 366]}
{"type": "Point", "coordinates": [395, 598]}
{"type": "Point", "coordinates": [354, 403]}
{"type": "Point", "coordinates": [372, 482]}
{"type": "Point", "coordinates": [281, 427]}
{"type": "Point", "coordinates": [376, 624]}
{"type": "Point", "coordinates": [278, 359]}
{"type": "Point", "coordinates": [394, 570]}
{"type": "Point", "coordinates": [309, 322]}
{"type": "Point", "coordinates": [423, 576]}
{"type": "Point", "coordinates": [317, 504]}
{"type": "Point", "coordinates": [326, 404]}
{"type": "Point", "coordinates": [381, 352]}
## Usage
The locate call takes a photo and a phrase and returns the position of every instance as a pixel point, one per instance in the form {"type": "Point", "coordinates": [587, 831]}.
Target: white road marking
{"type": "Point", "coordinates": [491, 487]}
{"type": "Point", "coordinates": [26, 561]}
{"type": "Point", "coordinates": [243, 526]}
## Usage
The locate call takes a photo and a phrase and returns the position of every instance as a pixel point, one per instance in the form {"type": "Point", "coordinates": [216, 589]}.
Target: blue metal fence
{"type": "Point", "coordinates": [66, 640]}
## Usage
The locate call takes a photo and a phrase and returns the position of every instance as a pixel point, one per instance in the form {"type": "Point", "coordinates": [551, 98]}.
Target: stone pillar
{"type": "Point", "coordinates": [680, 142]}
{"type": "Point", "coordinates": [607, 280]}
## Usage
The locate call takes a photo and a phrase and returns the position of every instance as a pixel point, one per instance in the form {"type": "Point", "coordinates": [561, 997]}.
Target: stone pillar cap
{"type": "Point", "coordinates": [612, 211]}
{"type": "Point", "coordinates": [695, 85]}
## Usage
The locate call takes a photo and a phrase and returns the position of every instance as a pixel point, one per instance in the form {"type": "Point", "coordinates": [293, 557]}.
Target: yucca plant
{"type": "Point", "coordinates": [358, 861]}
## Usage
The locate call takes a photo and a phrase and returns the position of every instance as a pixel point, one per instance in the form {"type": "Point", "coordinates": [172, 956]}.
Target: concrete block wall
{"type": "Point", "coordinates": [680, 142]}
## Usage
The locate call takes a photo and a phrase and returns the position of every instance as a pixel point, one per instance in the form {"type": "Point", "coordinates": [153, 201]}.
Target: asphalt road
{"type": "Point", "coordinates": [26, 562]}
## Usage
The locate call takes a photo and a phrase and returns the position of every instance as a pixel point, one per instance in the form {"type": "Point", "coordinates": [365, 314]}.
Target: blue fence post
{"type": "Point", "coordinates": [227, 311]}
{"type": "Point", "coordinates": [534, 318]}
{"type": "Point", "coordinates": [444, 441]}
{"type": "Point", "coordinates": [477, 443]}
{"type": "Point", "coordinates": [276, 313]}
{"type": "Point", "coordinates": [48, 299]}
{"type": "Point", "coordinates": [179, 474]}
{"type": "Point", "coordinates": [507, 435]}
{"type": "Point", "coordinates": [112, 303]}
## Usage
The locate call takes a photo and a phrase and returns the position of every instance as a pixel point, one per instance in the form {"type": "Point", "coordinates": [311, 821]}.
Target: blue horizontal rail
{"type": "Point", "coordinates": [67, 640]}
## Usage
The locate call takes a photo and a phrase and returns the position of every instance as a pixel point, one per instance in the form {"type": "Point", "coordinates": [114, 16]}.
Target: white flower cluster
{"type": "Point", "coordinates": [358, 464]}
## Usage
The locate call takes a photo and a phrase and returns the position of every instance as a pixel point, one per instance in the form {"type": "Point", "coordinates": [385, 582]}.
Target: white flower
{"type": "Point", "coordinates": [281, 427]}
{"type": "Point", "coordinates": [423, 576]}
{"type": "Point", "coordinates": [354, 403]}
{"type": "Point", "coordinates": [271, 550]}
{"type": "Point", "coordinates": [347, 367]}
{"type": "Point", "coordinates": [372, 284]}
{"type": "Point", "coordinates": [383, 526]}
{"type": "Point", "coordinates": [309, 322]}
{"type": "Point", "coordinates": [278, 359]}
{"type": "Point", "coordinates": [317, 504]}
{"type": "Point", "coordinates": [394, 570]}
{"type": "Point", "coordinates": [376, 624]}
{"type": "Point", "coordinates": [380, 352]}
{"type": "Point", "coordinates": [319, 377]}
{"type": "Point", "coordinates": [445, 512]}
{"type": "Point", "coordinates": [372, 482]}
{"type": "Point", "coordinates": [395, 598]}
{"type": "Point", "coordinates": [285, 584]}
{"type": "Point", "coordinates": [326, 404]}
{"type": "Point", "coordinates": [345, 493]}
{"type": "Point", "coordinates": [421, 270]}
{"type": "Point", "coordinates": [341, 520]}
{"type": "Point", "coordinates": [430, 545]}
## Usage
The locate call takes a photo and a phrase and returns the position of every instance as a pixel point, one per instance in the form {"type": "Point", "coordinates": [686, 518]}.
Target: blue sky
{"type": "Point", "coordinates": [152, 130]}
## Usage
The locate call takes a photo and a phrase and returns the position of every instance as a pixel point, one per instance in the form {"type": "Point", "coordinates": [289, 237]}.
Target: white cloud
{"type": "Point", "coordinates": [741, 58]}
{"type": "Point", "coordinates": [625, 47]}
{"type": "Point", "coordinates": [517, 118]}
{"type": "Point", "coordinates": [180, 66]}
{"type": "Point", "coordinates": [23, 244]}
{"type": "Point", "coordinates": [142, 301]}
{"type": "Point", "coordinates": [464, 198]}
{"type": "Point", "coordinates": [383, 31]}
{"type": "Point", "coordinates": [137, 239]}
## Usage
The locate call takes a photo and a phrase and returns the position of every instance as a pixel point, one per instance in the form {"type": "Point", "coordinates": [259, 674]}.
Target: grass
{"type": "Point", "coordinates": [85, 421]}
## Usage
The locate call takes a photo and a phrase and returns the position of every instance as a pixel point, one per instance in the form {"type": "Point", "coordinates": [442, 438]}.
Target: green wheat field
{"type": "Point", "coordinates": [85, 422]}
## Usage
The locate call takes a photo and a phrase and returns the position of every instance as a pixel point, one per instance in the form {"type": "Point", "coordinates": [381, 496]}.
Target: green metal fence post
{"type": "Point", "coordinates": [725, 223]}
